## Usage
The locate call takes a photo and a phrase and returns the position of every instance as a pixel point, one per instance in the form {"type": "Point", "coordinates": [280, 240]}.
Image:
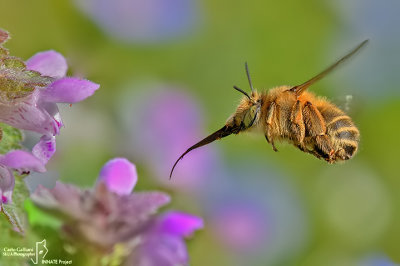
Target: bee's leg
{"type": "Point", "coordinates": [297, 126]}
{"type": "Point", "coordinates": [272, 143]}
{"type": "Point", "coordinates": [268, 129]}
{"type": "Point", "coordinates": [316, 129]}
{"type": "Point", "coordinates": [312, 152]}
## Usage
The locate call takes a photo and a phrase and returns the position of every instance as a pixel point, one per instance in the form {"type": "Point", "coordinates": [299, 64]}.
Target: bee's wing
{"type": "Point", "coordinates": [300, 88]}
{"type": "Point", "coordinates": [223, 132]}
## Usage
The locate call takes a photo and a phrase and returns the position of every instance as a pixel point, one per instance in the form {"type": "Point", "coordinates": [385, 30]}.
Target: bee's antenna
{"type": "Point", "coordinates": [248, 76]}
{"type": "Point", "coordinates": [242, 91]}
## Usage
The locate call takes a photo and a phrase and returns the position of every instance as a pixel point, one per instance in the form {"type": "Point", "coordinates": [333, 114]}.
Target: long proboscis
{"type": "Point", "coordinates": [300, 88]}
{"type": "Point", "coordinates": [223, 132]}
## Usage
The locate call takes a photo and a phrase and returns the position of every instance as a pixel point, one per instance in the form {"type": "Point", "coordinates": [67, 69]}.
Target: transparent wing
{"type": "Point", "coordinates": [300, 88]}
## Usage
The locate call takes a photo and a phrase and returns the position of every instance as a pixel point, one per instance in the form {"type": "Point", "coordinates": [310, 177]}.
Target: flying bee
{"type": "Point", "coordinates": [293, 114]}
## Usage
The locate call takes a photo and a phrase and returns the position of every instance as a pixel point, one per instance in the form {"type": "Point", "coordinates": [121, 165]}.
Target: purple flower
{"type": "Point", "coordinates": [50, 63]}
{"type": "Point", "coordinates": [29, 92]}
{"type": "Point", "coordinates": [142, 21]}
{"type": "Point", "coordinates": [242, 227]}
{"type": "Point", "coordinates": [43, 116]}
{"type": "Point", "coordinates": [261, 219]}
{"type": "Point", "coordinates": [119, 175]}
{"type": "Point", "coordinates": [166, 122]}
{"type": "Point", "coordinates": [162, 243]}
{"type": "Point", "coordinates": [377, 259]}
{"type": "Point", "coordinates": [109, 214]}
{"type": "Point", "coordinates": [21, 161]}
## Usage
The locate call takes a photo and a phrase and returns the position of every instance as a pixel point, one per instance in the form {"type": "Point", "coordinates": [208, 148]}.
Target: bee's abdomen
{"type": "Point", "coordinates": [344, 134]}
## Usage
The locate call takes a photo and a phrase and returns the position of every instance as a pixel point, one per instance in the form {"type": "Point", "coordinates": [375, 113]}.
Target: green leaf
{"type": "Point", "coordinates": [37, 216]}
{"type": "Point", "coordinates": [15, 80]}
{"type": "Point", "coordinates": [32, 74]}
{"type": "Point", "coordinates": [11, 138]}
{"type": "Point", "coordinates": [3, 52]}
{"type": "Point", "coordinates": [15, 211]}
{"type": "Point", "coordinates": [13, 223]}
{"type": "Point", "coordinates": [14, 62]}
{"type": "Point", "coordinates": [116, 257]}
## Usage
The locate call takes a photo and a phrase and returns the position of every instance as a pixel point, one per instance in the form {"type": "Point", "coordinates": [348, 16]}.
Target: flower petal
{"type": "Point", "coordinates": [62, 199]}
{"type": "Point", "coordinates": [49, 63]}
{"type": "Point", "coordinates": [69, 90]}
{"type": "Point", "coordinates": [142, 204]}
{"type": "Point", "coordinates": [45, 148]}
{"type": "Point", "coordinates": [119, 175]}
{"type": "Point", "coordinates": [180, 224]}
{"type": "Point", "coordinates": [100, 216]}
{"type": "Point", "coordinates": [28, 116]}
{"type": "Point", "coordinates": [7, 183]}
{"type": "Point", "coordinates": [22, 160]}
{"type": "Point", "coordinates": [163, 243]}
{"type": "Point", "coordinates": [158, 249]}
{"type": "Point", "coordinates": [52, 110]}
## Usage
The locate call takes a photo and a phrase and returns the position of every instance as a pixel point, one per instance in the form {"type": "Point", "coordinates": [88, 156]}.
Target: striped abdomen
{"type": "Point", "coordinates": [342, 131]}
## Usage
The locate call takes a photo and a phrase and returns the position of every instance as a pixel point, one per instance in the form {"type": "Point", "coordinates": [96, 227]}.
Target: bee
{"type": "Point", "coordinates": [291, 113]}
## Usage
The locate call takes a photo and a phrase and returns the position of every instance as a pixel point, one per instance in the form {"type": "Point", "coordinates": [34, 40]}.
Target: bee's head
{"type": "Point", "coordinates": [247, 113]}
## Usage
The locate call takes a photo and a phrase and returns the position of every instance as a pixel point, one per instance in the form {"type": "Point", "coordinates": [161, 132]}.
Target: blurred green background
{"type": "Point", "coordinates": [302, 210]}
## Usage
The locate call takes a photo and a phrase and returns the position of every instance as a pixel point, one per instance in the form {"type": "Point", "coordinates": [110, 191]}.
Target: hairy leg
{"type": "Point", "coordinates": [297, 126]}
{"type": "Point", "coordinates": [268, 129]}
{"type": "Point", "coordinates": [316, 129]}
